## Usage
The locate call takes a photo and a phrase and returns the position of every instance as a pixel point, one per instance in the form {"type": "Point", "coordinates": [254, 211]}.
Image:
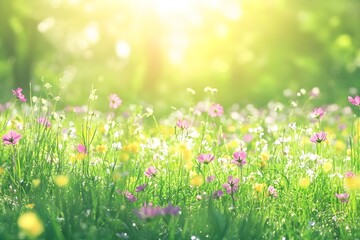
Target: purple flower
{"type": "Point", "coordinates": [115, 101]}
{"type": "Point", "coordinates": [150, 172]}
{"type": "Point", "coordinates": [182, 123]}
{"type": "Point", "coordinates": [148, 211]}
{"type": "Point", "coordinates": [318, 113]}
{"type": "Point", "coordinates": [343, 197]}
{"type": "Point", "coordinates": [141, 188]}
{"type": "Point", "coordinates": [11, 137]}
{"type": "Point", "coordinates": [129, 196]}
{"type": "Point", "coordinates": [216, 110]}
{"type": "Point", "coordinates": [170, 210]}
{"type": "Point", "coordinates": [272, 191]}
{"type": "Point", "coordinates": [217, 194]}
{"type": "Point", "coordinates": [239, 158]}
{"type": "Point", "coordinates": [232, 185]}
{"type": "Point", "coordinates": [44, 121]}
{"type": "Point", "coordinates": [318, 137]}
{"type": "Point", "coordinates": [18, 93]}
{"type": "Point", "coordinates": [211, 178]}
{"type": "Point", "coordinates": [354, 100]}
{"type": "Point", "coordinates": [205, 158]}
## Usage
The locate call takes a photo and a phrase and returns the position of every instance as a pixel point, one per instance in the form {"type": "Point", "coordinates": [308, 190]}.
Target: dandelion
{"type": "Point", "coordinates": [259, 187]}
{"type": "Point", "coordinates": [18, 93]}
{"type": "Point", "coordinates": [327, 167]}
{"type": "Point", "coordinates": [30, 224]}
{"type": "Point", "coordinates": [318, 137]}
{"type": "Point", "coordinates": [354, 100]}
{"type": "Point", "coordinates": [36, 182]}
{"type": "Point", "coordinates": [272, 191]}
{"type": "Point", "coordinates": [115, 101]}
{"type": "Point", "coordinates": [44, 121]}
{"type": "Point", "coordinates": [151, 172]}
{"type": "Point", "coordinates": [304, 182]}
{"type": "Point", "coordinates": [216, 110]}
{"type": "Point", "coordinates": [102, 148]}
{"type": "Point", "coordinates": [61, 180]}
{"type": "Point", "coordinates": [11, 137]}
{"type": "Point", "coordinates": [182, 124]}
{"type": "Point", "coordinates": [205, 158]}
{"type": "Point", "coordinates": [239, 158]}
{"type": "Point", "coordinates": [343, 197]}
{"type": "Point", "coordinates": [232, 185]}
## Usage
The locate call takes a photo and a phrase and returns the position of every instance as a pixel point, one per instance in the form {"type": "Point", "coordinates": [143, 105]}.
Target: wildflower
{"type": "Point", "coordinates": [30, 224]}
{"type": "Point", "coordinates": [151, 172]}
{"type": "Point", "coordinates": [36, 182]}
{"type": "Point", "coordinates": [318, 113]}
{"type": "Point", "coordinates": [170, 210]}
{"type": "Point", "coordinates": [232, 185]}
{"type": "Point", "coordinates": [182, 124]}
{"type": "Point", "coordinates": [318, 137]}
{"type": "Point", "coordinates": [61, 180]}
{"type": "Point", "coordinates": [129, 196]}
{"type": "Point", "coordinates": [343, 197]}
{"type": "Point", "coordinates": [115, 101]}
{"type": "Point", "coordinates": [196, 181]}
{"type": "Point", "coordinates": [102, 148]}
{"type": "Point", "coordinates": [148, 211]}
{"type": "Point", "coordinates": [205, 158]}
{"type": "Point", "coordinates": [272, 192]}
{"type": "Point", "coordinates": [239, 158]}
{"type": "Point", "coordinates": [141, 188]}
{"type": "Point", "coordinates": [217, 194]}
{"type": "Point", "coordinates": [11, 137]}
{"type": "Point", "coordinates": [211, 178]}
{"type": "Point", "coordinates": [44, 121]}
{"type": "Point", "coordinates": [304, 182]}
{"type": "Point", "coordinates": [258, 187]}
{"type": "Point", "coordinates": [354, 100]}
{"type": "Point", "coordinates": [327, 167]}
{"type": "Point", "coordinates": [18, 93]}
{"type": "Point", "coordinates": [81, 148]}
{"type": "Point", "coordinates": [351, 181]}
{"type": "Point", "coordinates": [216, 110]}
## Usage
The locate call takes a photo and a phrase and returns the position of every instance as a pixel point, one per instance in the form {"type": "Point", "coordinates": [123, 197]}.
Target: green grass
{"type": "Point", "coordinates": [122, 143]}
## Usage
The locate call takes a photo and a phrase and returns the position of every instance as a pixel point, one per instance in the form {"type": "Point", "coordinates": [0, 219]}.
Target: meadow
{"type": "Point", "coordinates": [289, 170]}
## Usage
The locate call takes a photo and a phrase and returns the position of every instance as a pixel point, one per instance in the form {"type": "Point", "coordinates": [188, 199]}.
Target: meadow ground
{"type": "Point", "coordinates": [287, 171]}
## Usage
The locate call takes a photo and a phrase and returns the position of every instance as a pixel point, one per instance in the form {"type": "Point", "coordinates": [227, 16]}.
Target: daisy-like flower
{"type": "Point", "coordinates": [81, 148]}
{"type": "Point", "coordinates": [151, 172]}
{"type": "Point", "coordinates": [354, 100]}
{"type": "Point", "coordinates": [141, 188]}
{"type": "Point", "coordinates": [216, 110]}
{"type": "Point", "coordinates": [182, 124]}
{"type": "Point", "coordinates": [205, 158]}
{"type": "Point", "coordinates": [18, 93]}
{"type": "Point", "coordinates": [170, 210]}
{"type": "Point", "coordinates": [318, 113]}
{"type": "Point", "coordinates": [11, 137]}
{"type": "Point", "coordinates": [44, 121]}
{"type": "Point", "coordinates": [232, 185]}
{"type": "Point", "coordinates": [217, 194]}
{"type": "Point", "coordinates": [318, 137]}
{"type": "Point", "coordinates": [239, 158]}
{"type": "Point", "coordinates": [115, 101]}
{"type": "Point", "coordinates": [129, 196]}
{"type": "Point", "coordinates": [148, 211]}
{"type": "Point", "coordinates": [343, 197]}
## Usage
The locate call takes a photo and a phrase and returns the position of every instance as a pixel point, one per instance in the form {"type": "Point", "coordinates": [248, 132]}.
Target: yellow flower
{"type": "Point", "coordinates": [30, 205]}
{"type": "Point", "coordinates": [340, 146]}
{"type": "Point", "coordinates": [264, 156]}
{"type": "Point", "coordinates": [61, 180]}
{"type": "Point", "coordinates": [30, 224]}
{"type": "Point", "coordinates": [231, 128]}
{"type": "Point", "coordinates": [36, 182]}
{"type": "Point", "coordinates": [352, 183]}
{"type": "Point", "coordinates": [327, 167]}
{"type": "Point", "coordinates": [124, 157]}
{"type": "Point", "coordinates": [196, 181]}
{"type": "Point", "coordinates": [101, 148]}
{"type": "Point", "coordinates": [304, 182]}
{"type": "Point", "coordinates": [2, 170]}
{"type": "Point", "coordinates": [259, 187]}
{"type": "Point", "coordinates": [132, 147]}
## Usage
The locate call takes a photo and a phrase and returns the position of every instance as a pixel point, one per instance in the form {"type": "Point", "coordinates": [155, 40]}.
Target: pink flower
{"type": "Point", "coordinates": [343, 197]}
{"type": "Point", "coordinates": [18, 93]}
{"type": "Point", "coordinates": [148, 211]}
{"type": "Point", "coordinates": [140, 188]}
{"type": "Point", "coordinates": [170, 210]}
{"type": "Point", "coordinates": [232, 185]}
{"type": "Point", "coordinates": [318, 137]}
{"type": "Point", "coordinates": [44, 121]}
{"type": "Point", "coordinates": [11, 137]}
{"type": "Point", "coordinates": [81, 148]}
{"type": "Point", "coordinates": [129, 196]}
{"type": "Point", "coordinates": [354, 100]}
{"type": "Point", "coordinates": [115, 101]}
{"type": "Point", "coordinates": [318, 113]}
{"type": "Point", "coordinates": [272, 191]}
{"type": "Point", "coordinates": [151, 172]}
{"type": "Point", "coordinates": [182, 123]}
{"type": "Point", "coordinates": [349, 174]}
{"type": "Point", "coordinates": [217, 194]}
{"type": "Point", "coordinates": [210, 179]}
{"type": "Point", "coordinates": [216, 110]}
{"type": "Point", "coordinates": [205, 158]}
{"type": "Point", "coordinates": [239, 158]}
